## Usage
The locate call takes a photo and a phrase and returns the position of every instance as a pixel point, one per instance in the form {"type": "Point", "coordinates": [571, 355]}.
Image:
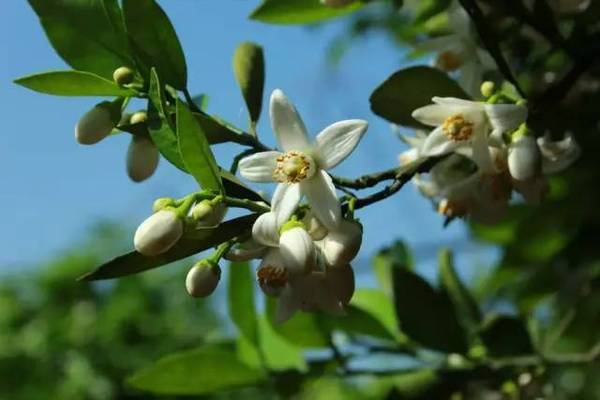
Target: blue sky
{"type": "Point", "coordinates": [53, 189]}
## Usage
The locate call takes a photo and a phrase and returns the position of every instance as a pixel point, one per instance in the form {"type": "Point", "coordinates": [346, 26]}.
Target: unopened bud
{"type": "Point", "coordinates": [158, 233]}
{"type": "Point", "coordinates": [123, 76]}
{"type": "Point", "coordinates": [208, 213]}
{"type": "Point", "coordinates": [142, 158]}
{"type": "Point", "coordinates": [524, 158]}
{"type": "Point", "coordinates": [161, 203]}
{"type": "Point", "coordinates": [487, 89]}
{"type": "Point", "coordinates": [297, 249]}
{"type": "Point", "coordinates": [203, 278]}
{"type": "Point", "coordinates": [336, 3]}
{"type": "Point", "coordinates": [341, 282]}
{"type": "Point", "coordinates": [97, 123]}
{"type": "Point", "coordinates": [138, 118]}
{"type": "Point", "coordinates": [340, 247]}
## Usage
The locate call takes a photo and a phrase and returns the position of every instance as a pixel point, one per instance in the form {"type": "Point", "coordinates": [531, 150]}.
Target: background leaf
{"type": "Point", "coordinates": [87, 34]}
{"type": "Point", "coordinates": [155, 41]}
{"type": "Point", "coordinates": [298, 11]}
{"type": "Point", "coordinates": [505, 336]}
{"type": "Point", "coordinates": [134, 262]}
{"type": "Point", "coordinates": [195, 150]}
{"type": "Point", "coordinates": [204, 370]}
{"type": "Point", "coordinates": [410, 88]}
{"type": "Point", "coordinates": [72, 83]}
{"type": "Point", "coordinates": [249, 71]}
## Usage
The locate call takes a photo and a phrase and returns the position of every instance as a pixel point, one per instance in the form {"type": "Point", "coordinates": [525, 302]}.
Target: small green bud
{"type": "Point", "coordinates": [291, 225]}
{"type": "Point", "coordinates": [161, 203]}
{"type": "Point", "coordinates": [509, 388]}
{"type": "Point", "coordinates": [123, 76]}
{"type": "Point", "coordinates": [138, 118]}
{"type": "Point", "coordinates": [203, 278]}
{"type": "Point", "coordinates": [487, 89]}
{"type": "Point", "coordinates": [202, 210]}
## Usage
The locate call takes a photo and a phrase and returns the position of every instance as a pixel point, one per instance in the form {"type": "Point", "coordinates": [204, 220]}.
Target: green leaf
{"type": "Point", "coordinates": [216, 130]}
{"type": "Point", "coordinates": [155, 41]}
{"type": "Point", "coordinates": [464, 303]}
{"type": "Point", "coordinates": [160, 124]}
{"type": "Point", "coordinates": [279, 354]}
{"type": "Point", "coordinates": [380, 307]}
{"type": "Point", "coordinates": [204, 370]}
{"type": "Point", "coordinates": [249, 71]}
{"type": "Point", "coordinates": [356, 321]}
{"type": "Point", "coordinates": [396, 256]}
{"type": "Point", "coordinates": [410, 88]}
{"type": "Point", "coordinates": [236, 188]}
{"type": "Point", "coordinates": [301, 330]}
{"type": "Point", "coordinates": [299, 11]}
{"type": "Point", "coordinates": [72, 83]}
{"type": "Point", "coordinates": [240, 290]}
{"type": "Point", "coordinates": [195, 150]}
{"type": "Point", "coordinates": [505, 336]}
{"type": "Point", "coordinates": [189, 244]}
{"type": "Point", "coordinates": [87, 34]}
{"type": "Point", "coordinates": [426, 315]}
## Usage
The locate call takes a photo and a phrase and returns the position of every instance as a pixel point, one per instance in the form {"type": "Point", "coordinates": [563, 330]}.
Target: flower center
{"type": "Point", "coordinates": [457, 128]}
{"type": "Point", "coordinates": [272, 276]}
{"type": "Point", "coordinates": [452, 209]}
{"type": "Point", "coordinates": [448, 61]}
{"type": "Point", "coordinates": [293, 167]}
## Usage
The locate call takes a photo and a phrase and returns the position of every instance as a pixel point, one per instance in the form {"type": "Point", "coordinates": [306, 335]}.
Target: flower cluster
{"type": "Point", "coordinates": [490, 152]}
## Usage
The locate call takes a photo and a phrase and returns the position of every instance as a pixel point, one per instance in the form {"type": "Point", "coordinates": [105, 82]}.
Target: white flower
{"type": "Point", "coordinates": [142, 158]}
{"type": "Point", "coordinates": [158, 233]}
{"type": "Point", "coordinates": [461, 124]}
{"type": "Point", "coordinates": [524, 160]}
{"type": "Point", "coordinates": [301, 168]}
{"type": "Point", "coordinates": [556, 156]}
{"type": "Point", "coordinates": [96, 124]}
{"type": "Point", "coordinates": [202, 279]}
{"type": "Point", "coordinates": [340, 246]}
{"type": "Point", "coordinates": [413, 156]}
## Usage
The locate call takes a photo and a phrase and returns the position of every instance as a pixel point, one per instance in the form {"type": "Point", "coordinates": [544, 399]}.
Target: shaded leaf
{"type": "Point", "coordinates": [249, 71]}
{"type": "Point", "coordinates": [279, 353]}
{"type": "Point", "coordinates": [216, 130]}
{"type": "Point", "coordinates": [505, 336]}
{"type": "Point", "coordinates": [88, 35]}
{"type": "Point", "coordinates": [396, 256]}
{"type": "Point", "coordinates": [299, 11]}
{"type": "Point", "coordinates": [410, 88]}
{"type": "Point", "coordinates": [356, 321]}
{"type": "Point", "coordinates": [189, 244]}
{"type": "Point", "coordinates": [72, 83]}
{"type": "Point", "coordinates": [424, 312]}
{"type": "Point", "coordinates": [301, 330]}
{"type": "Point", "coordinates": [195, 150]}
{"type": "Point", "coordinates": [155, 41]}
{"type": "Point", "coordinates": [240, 300]}
{"type": "Point", "coordinates": [236, 188]}
{"type": "Point", "coordinates": [380, 307]}
{"type": "Point", "coordinates": [204, 370]}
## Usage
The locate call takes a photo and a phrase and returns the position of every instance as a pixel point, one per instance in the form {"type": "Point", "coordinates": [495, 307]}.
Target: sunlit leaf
{"type": "Point", "coordinates": [249, 71]}
{"type": "Point", "coordinates": [216, 130]}
{"type": "Point", "coordinates": [379, 306]}
{"type": "Point", "coordinates": [299, 11]}
{"type": "Point", "coordinates": [410, 88]}
{"type": "Point", "coordinates": [207, 369]}
{"type": "Point", "coordinates": [396, 256]}
{"type": "Point", "coordinates": [301, 330]}
{"type": "Point", "coordinates": [72, 83]}
{"type": "Point", "coordinates": [189, 244]}
{"type": "Point", "coordinates": [87, 34]}
{"type": "Point", "coordinates": [195, 150]}
{"type": "Point", "coordinates": [155, 41]}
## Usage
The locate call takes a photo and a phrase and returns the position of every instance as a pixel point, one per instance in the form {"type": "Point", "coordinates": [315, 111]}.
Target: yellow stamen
{"type": "Point", "coordinates": [457, 128]}
{"type": "Point", "coordinates": [293, 167]}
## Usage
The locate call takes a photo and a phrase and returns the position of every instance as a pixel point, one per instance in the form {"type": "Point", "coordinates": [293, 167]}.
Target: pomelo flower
{"type": "Point", "coordinates": [301, 167]}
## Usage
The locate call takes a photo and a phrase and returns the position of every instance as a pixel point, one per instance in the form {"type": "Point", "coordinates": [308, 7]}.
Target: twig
{"type": "Point", "coordinates": [366, 181]}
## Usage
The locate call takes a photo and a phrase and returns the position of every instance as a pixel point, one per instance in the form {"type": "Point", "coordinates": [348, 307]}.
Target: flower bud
{"type": "Point", "coordinates": [123, 76]}
{"type": "Point", "coordinates": [315, 228]}
{"type": "Point", "coordinates": [97, 123]}
{"type": "Point", "coordinates": [203, 278]}
{"type": "Point", "coordinates": [340, 247]}
{"type": "Point", "coordinates": [297, 249]}
{"type": "Point", "coordinates": [487, 89]}
{"type": "Point", "coordinates": [158, 233]}
{"type": "Point", "coordinates": [138, 118]}
{"type": "Point", "coordinates": [209, 213]}
{"type": "Point", "coordinates": [161, 203]}
{"type": "Point", "coordinates": [142, 158]}
{"type": "Point", "coordinates": [341, 282]}
{"type": "Point", "coordinates": [524, 159]}
{"type": "Point", "coordinates": [336, 3]}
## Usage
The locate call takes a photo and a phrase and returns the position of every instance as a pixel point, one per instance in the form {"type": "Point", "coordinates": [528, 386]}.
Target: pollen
{"type": "Point", "coordinates": [452, 209]}
{"type": "Point", "coordinates": [272, 276]}
{"type": "Point", "coordinates": [457, 128]}
{"type": "Point", "coordinates": [293, 167]}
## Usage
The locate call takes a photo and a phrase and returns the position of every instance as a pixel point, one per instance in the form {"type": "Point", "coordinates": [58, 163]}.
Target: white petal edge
{"type": "Point", "coordinates": [285, 200]}
{"type": "Point", "coordinates": [265, 230]}
{"type": "Point", "coordinates": [338, 140]}
{"type": "Point", "coordinates": [437, 144]}
{"type": "Point", "coordinates": [297, 249]}
{"type": "Point", "coordinates": [259, 167]}
{"type": "Point", "coordinates": [321, 195]}
{"type": "Point", "coordinates": [505, 117]}
{"type": "Point", "coordinates": [287, 123]}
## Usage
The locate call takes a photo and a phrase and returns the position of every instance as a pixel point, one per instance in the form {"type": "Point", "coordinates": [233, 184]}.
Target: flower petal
{"type": "Point", "coordinates": [265, 230]}
{"type": "Point", "coordinates": [298, 250]}
{"type": "Point", "coordinates": [432, 114]}
{"type": "Point", "coordinates": [505, 117]}
{"type": "Point", "coordinates": [437, 144]}
{"type": "Point", "coordinates": [287, 305]}
{"type": "Point", "coordinates": [287, 124]}
{"type": "Point", "coordinates": [323, 200]}
{"type": "Point", "coordinates": [285, 200]}
{"type": "Point", "coordinates": [337, 141]}
{"type": "Point", "coordinates": [259, 167]}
